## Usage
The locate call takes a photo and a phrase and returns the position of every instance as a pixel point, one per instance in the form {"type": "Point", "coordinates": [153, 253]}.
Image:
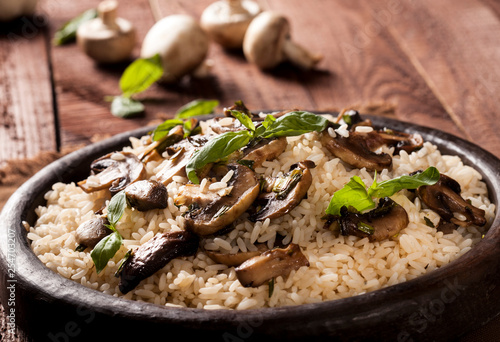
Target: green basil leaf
{"type": "Point", "coordinates": [353, 194]}
{"type": "Point", "coordinates": [215, 149]}
{"type": "Point", "coordinates": [389, 187]}
{"type": "Point", "coordinates": [196, 108]}
{"type": "Point", "coordinates": [163, 129]}
{"type": "Point", "coordinates": [243, 118]}
{"type": "Point", "coordinates": [140, 75]}
{"type": "Point", "coordinates": [125, 107]}
{"type": "Point", "coordinates": [105, 250]}
{"type": "Point", "coordinates": [116, 207]}
{"type": "Point", "coordinates": [67, 33]}
{"type": "Point", "coordinates": [295, 123]}
{"type": "Point", "coordinates": [188, 127]}
{"type": "Point", "coordinates": [268, 121]}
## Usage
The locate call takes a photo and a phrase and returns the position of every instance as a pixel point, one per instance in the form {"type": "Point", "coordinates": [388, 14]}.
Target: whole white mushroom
{"type": "Point", "coordinates": [12, 9]}
{"type": "Point", "coordinates": [181, 43]}
{"type": "Point", "coordinates": [107, 39]}
{"type": "Point", "coordinates": [226, 21]}
{"type": "Point", "coordinates": [268, 42]}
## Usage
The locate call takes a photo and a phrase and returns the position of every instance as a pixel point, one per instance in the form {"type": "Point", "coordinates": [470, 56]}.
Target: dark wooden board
{"type": "Point", "coordinates": [27, 120]}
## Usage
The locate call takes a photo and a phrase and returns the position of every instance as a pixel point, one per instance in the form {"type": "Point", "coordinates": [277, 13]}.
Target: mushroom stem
{"type": "Point", "coordinates": [299, 56]}
{"type": "Point", "coordinates": [107, 12]}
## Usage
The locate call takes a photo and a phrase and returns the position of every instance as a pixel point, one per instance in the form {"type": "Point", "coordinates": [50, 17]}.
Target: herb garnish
{"type": "Point", "coordinates": [67, 33]}
{"type": "Point", "coordinates": [271, 287]}
{"type": "Point", "coordinates": [354, 193]}
{"type": "Point", "coordinates": [290, 124]}
{"type": "Point", "coordinates": [108, 246]}
{"type": "Point", "coordinates": [136, 78]}
{"type": "Point", "coordinates": [188, 111]}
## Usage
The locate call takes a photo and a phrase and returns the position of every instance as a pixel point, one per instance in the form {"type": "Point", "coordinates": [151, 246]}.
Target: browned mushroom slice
{"type": "Point", "coordinates": [276, 262]}
{"type": "Point", "coordinates": [90, 232]}
{"type": "Point", "coordinates": [114, 171]}
{"type": "Point", "coordinates": [210, 212]}
{"type": "Point", "coordinates": [235, 259]}
{"type": "Point", "coordinates": [175, 135]}
{"type": "Point", "coordinates": [154, 255]}
{"type": "Point", "coordinates": [381, 223]}
{"type": "Point", "coordinates": [146, 195]}
{"type": "Point", "coordinates": [180, 155]}
{"type": "Point", "coordinates": [445, 199]}
{"type": "Point", "coordinates": [280, 195]}
{"type": "Point", "coordinates": [266, 149]}
{"type": "Point", "coordinates": [355, 151]}
{"type": "Point", "coordinates": [401, 140]}
{"type": "Point", "coordinates": [233, 126]}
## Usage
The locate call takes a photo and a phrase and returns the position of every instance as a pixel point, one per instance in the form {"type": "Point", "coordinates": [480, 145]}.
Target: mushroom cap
{"type": "Point", "coordinates": [264, 39]}
{"type": "Point", "coordinates": [226, 21]}
{"type": "Point", "coordinates": [181, 43]}
{"type": "Point", "coordinates": [106, 45]}
{"type": "Point", "coordinates": [107, 39]}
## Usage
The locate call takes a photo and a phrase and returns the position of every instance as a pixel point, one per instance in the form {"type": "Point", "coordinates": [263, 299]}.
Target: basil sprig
{"type": "Point", "coordinates": [290, 124]}
{"type": "Point", "coordinates": [108, 246]}
{"type": "Point", "coordinates": [355, 194]}
{"type": "Point", "coordinates": [136, 78]}
{"type": "Point", "coordinates": [189, 110]}
{"type": "Point", "coordinates": [67, 33]}
{"type": "Point", "coordinates": [196, 108]}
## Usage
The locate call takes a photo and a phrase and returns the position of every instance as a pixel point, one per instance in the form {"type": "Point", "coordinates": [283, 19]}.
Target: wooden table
{"type": "Point", "coordinates": [434, 63]}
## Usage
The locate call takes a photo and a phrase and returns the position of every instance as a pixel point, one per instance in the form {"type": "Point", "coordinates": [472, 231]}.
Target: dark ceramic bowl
{"type": "Point", "coordinates": [441, 305]}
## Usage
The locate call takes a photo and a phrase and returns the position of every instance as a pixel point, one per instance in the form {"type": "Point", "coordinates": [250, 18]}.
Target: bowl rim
{"type": "Point", "coordinates": [50, 286]}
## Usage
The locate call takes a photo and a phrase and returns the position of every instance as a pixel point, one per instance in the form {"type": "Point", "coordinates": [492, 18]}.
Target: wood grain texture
{"type": "Point", "coordinates": [456, 53]}
{"type": "Point", "coordinates": [27, 121]}
{"type": "Point", "coordinates": [362, 64]}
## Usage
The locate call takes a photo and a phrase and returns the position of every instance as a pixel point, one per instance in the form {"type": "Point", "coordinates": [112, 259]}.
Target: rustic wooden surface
{"type": "Point", "coordinates": [434, 62]}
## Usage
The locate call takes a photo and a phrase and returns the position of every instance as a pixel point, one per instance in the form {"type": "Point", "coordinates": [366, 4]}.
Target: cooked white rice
{"type": "Point", "coordinates": [340, 266]}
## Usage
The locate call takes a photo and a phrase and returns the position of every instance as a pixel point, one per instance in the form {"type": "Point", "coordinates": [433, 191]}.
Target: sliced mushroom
{"type": "Point", "coordinates": [175, 135]}
{"type": "Point", "coordinates": [282, 194]}
{"type": "Point", "coordinates": [445, 199]}
{"type": "Point", "coordinates": [355, 151]}
{"type": "Point", "coordinates": [114, 171]}
{"type": "Point", "coordinates": [181, 153]}
{"type": "Point", "coordinates": [146, 195]}
{"type": "Point", "coordinates": [276, 262]}
{"type": "Point", "coordinates": [89, 233]}
{"type": "Point", "coordinates": [401, 141]}
{"type": "Point", "coordinates": [381, 223]}
{"type": "Point", "coordinates": [264, 150]}
{"type": "Point", "coordinates": [210, 212]}
{"type": "Point", "coordinates": [154, 255]}
{"type": "Point", "coordinates": [377, 138]}
{"type": "Point", "coordinates": [235, 259]}
{"type": "Point", "coordinates": [233, 126]}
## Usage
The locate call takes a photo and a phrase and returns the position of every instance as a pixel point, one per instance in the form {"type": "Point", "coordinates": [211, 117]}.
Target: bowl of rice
{"type": "Point", "coordinates": [419, 284]}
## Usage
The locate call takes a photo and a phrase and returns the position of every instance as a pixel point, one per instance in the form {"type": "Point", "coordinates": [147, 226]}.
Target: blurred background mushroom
{"type": "Point", "coordinates": [268, 43]}
{"type": "Point", "coordinates": [181, 43]}
{"type": "Point", "coordinates": [226, 21]}
{"type": "Point", "coordinates": [107, 39]}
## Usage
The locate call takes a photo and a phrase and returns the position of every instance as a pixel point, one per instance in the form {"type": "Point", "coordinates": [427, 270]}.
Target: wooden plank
{"type": "Point", "coordinates": [81, 84]}
{"type": "Point", "coordinates": [27, 121]}
{"type": "Point", "coordinates": [376, 71]}
{"type": "Point", "coordinates": [362, 62]}
{"type": "Point", "coordinates": [362, 65]}
{"type": "Point", "coordinates": [456, 52]}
